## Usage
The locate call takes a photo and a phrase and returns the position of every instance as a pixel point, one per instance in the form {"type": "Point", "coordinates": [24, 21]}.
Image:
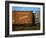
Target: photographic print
{"type": "Point", "coordinates": [24, 18]}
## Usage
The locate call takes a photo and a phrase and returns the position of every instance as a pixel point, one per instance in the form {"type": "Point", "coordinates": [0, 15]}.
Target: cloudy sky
{"type": "Point", "coordinates": [34, 9]}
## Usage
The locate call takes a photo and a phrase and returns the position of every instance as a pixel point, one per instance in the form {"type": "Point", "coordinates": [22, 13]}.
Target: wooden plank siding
{"type": "Point", "coordinates": [21, 17]}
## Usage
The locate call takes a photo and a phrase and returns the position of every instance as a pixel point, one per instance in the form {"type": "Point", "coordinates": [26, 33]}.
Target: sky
{"type": "Point", "coordinates": [34, 9]}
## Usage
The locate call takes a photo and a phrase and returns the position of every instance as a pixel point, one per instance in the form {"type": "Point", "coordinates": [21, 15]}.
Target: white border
{"type": "Point", "coordinates": [25, 32]}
